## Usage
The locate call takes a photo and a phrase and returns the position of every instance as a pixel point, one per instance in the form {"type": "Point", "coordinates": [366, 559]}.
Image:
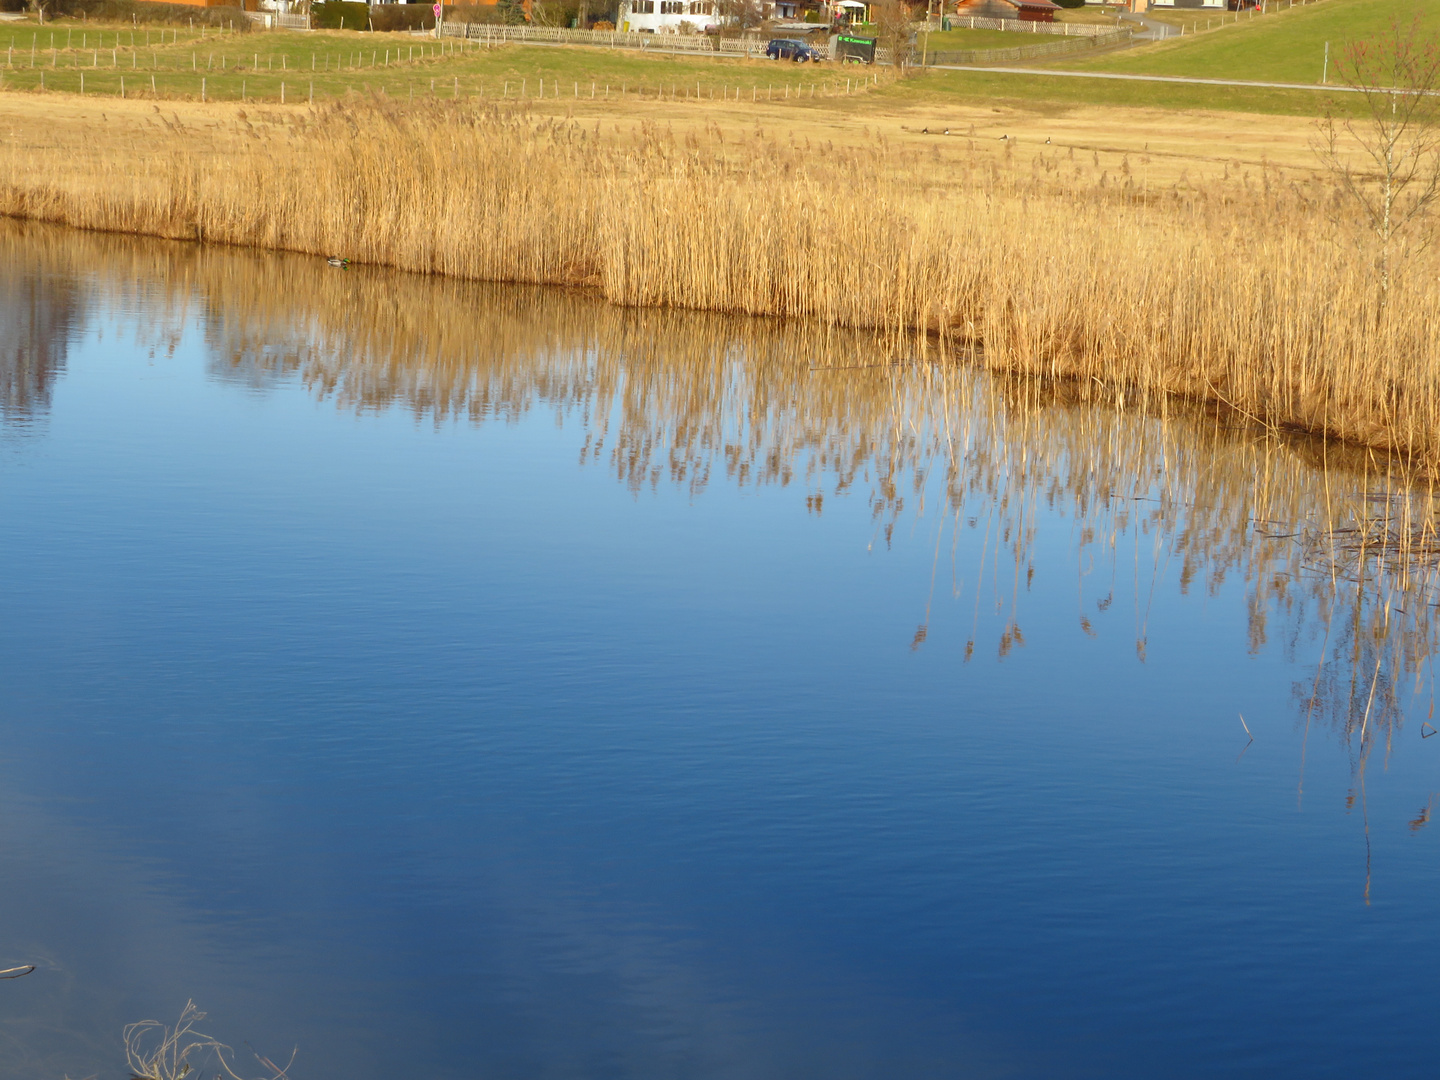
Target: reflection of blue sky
{"type": "Point", "coordinates": [439, 756]}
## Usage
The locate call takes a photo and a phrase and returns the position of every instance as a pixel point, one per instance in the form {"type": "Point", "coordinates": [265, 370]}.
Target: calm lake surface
{"type": "Point", "coordinates": [461, 681]}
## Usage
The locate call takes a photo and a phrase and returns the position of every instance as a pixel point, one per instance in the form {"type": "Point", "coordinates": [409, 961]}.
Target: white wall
{"type": "Point", "coordinates": [665, 16]}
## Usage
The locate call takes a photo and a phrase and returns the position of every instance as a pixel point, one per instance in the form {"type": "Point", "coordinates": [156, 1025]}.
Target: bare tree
{"type": "Point", "coordinates": [1396, 141]}
{"type": "Point", "coordinates": [892, 29]}
{"type": "Point", "coordinates": [548, 13]}
{"type": "Point", "coordinates": [737, 17]}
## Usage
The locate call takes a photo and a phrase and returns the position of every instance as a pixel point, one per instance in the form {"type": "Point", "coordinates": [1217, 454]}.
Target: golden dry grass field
{"type": "Point", "coordinates": [1164, 146]}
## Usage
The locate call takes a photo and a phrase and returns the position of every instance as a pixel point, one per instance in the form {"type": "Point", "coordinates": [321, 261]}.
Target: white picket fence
{"type": "Point", "coordinates": [612, 39]}
{"type": "Point", "coordinates": [749, 46]}
{"type": "Point", "coordinates": [271, 20]}
{"type": "Point", "coordinates": [971, 22]}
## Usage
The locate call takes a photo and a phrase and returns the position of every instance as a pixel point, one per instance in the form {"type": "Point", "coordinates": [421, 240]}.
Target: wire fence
{"type": "Point", "coordinates": [1079, 39]}
{"type": "Point", "coordinates": [1019, 26]}
{"type": "Point", "coordinates": [944, 57]}
{"type": "Point", "coordinates": [610, 39]}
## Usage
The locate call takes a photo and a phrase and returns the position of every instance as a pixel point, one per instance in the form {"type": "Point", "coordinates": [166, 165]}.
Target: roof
{"type": "Point", "coordinates": [977, 5]}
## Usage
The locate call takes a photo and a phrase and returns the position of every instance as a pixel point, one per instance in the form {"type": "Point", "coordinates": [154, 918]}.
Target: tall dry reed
{"type": "Point", "coordinates": [1258, 302]}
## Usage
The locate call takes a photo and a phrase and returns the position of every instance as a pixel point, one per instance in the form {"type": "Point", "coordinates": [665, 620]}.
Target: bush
{"type": "Point", "coordinates": [492, 14]}
{"type": "Point", "coordinates": [563, 12]}
{"type": "Point", "coordinates": [400, 17]}
{"type": "Point", "coordinates": [335, 15]}
{"type": "Point", "coordinates": [143, 11]}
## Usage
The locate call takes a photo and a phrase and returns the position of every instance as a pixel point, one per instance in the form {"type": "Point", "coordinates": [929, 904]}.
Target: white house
{"type": "Point", "coordinates": [694, 16]}
{"type": "Point", "coordinates": [667, 16]}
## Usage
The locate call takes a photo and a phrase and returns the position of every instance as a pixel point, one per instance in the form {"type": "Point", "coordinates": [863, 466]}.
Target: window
{"type": "Point", "coordinates": [642, 7]}
{"type": "Point", "coordinates": [672, 7]}
{"type": "Point", "coordinates": [699, 8]}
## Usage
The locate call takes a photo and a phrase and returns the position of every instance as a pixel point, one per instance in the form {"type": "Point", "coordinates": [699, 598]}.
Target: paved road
{"type": "Point", "coordinates": [1144, 78]}
{"type": "Point", "coordinates": [1155, 30]}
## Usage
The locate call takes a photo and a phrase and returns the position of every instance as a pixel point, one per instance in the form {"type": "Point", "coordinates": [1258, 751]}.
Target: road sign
{"type": "Point", "coordinates": [437, 10]}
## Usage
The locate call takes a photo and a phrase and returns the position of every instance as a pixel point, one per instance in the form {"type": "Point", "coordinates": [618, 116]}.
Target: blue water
{"type": "Point", "coordinates": [423, 745]}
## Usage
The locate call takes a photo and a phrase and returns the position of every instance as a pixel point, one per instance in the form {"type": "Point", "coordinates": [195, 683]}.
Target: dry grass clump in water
{"type": "Point", "coordinates": [156, 1051]}
{"type": "Point", "coordinates": [1249, 296]}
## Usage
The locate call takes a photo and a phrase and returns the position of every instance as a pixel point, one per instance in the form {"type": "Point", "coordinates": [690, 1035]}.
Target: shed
{"type": "Point", "coordinates": [1023, 10]}
{"type": "Point", "coordinates": [1035, 10]}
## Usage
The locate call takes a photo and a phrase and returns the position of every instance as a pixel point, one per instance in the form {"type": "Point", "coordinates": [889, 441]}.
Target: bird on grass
{"type": "Point", "coordinates": [336, 260]}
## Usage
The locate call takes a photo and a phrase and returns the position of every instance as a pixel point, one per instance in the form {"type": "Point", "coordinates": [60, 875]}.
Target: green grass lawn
{"type": "Point", "coordinates": [1191, 19]}
{"type": "Point", "coordinates": [1284, 46]}
{"type": "Point", "coordinates": [1037, 93]}
{"type": "Point", "coordinates": [17, 39]}
{"type": "Point", "coordinates": [948, 40]}
{"type": "Point", "coordinates": [253, 65]}
{"type": "Point", "coordinates": [1095, 14]}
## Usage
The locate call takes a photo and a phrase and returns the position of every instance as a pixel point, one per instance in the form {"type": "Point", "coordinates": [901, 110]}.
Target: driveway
{"type": "Point", "coordinates": [1154, 29]}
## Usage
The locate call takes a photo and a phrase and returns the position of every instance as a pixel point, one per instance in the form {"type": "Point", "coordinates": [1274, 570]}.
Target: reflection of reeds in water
{"type": "Point", "coordinates": [40, 314]}
{"type": "Point", "coordinates": [1336, 548]}
{"type": "Point", "coordinates": [1244, 295]}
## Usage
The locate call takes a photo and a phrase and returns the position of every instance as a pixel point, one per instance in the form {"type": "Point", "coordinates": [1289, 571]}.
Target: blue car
{"type": "Point", "coordinates": [790, 49]}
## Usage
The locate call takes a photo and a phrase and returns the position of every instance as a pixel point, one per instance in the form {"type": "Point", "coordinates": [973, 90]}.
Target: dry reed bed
{"type": "Point", "coordinates": [1257, 301]}
{"type": "Point", "coordinates": [1161, 495]}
